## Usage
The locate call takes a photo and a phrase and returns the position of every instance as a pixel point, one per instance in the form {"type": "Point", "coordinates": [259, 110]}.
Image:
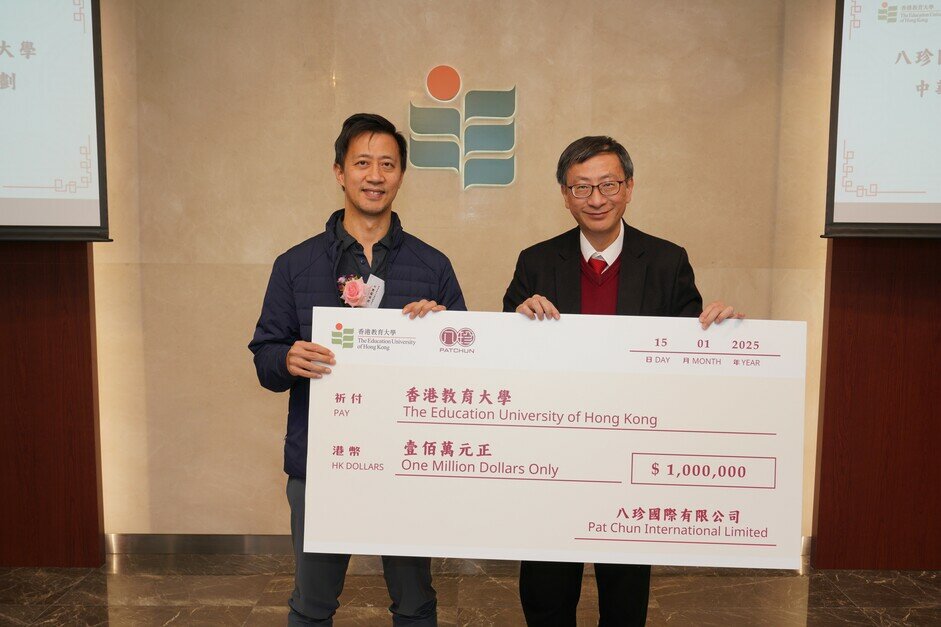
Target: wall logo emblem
{"type": "Point", "coordinates": [476, 138]}
{"type": "Point", "coordinates": [450, 336]}
{"type": "Point", "coordinates": [343, 337]}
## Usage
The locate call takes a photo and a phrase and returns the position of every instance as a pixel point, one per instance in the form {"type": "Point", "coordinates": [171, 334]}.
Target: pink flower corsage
{"type": "Point", "coordinates": [352, 290]}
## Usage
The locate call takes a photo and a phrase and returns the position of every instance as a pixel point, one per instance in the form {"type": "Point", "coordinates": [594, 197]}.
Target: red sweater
{"type": "Point", "coordinates": [600, 293]}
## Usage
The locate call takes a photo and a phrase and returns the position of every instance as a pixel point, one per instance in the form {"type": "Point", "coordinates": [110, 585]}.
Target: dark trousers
{"type": "Point", "coordinates": [318, 579]}
{"type": "Point", "coordinates": [550, 591]}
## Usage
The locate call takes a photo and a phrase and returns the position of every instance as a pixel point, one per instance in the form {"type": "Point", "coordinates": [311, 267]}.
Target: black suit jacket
{"type": "Point", "coordinates": [656, 278]}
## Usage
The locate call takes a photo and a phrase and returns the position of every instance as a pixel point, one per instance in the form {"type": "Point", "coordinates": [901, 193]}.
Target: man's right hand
{"type": "Point", "coordinates": [306, 359]}
{"type": "Point", "coordinates": [537, 306]}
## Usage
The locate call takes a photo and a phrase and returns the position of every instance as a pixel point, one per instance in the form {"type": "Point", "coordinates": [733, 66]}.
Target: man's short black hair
{"type": "Point", "coordinates": [581, 150]}
{"type": "Point", "coordinates": [360, 123]}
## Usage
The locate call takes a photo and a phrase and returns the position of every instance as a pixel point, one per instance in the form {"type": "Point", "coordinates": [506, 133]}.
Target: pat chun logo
{"type": "Point", "coordinates": [343, 337]}
{"type": "Point", "coordinates": [476, 139]}
{"type": "Point", "coordinates": [888, 13]}
{"type": "Point", "coordinates": [457, 341]}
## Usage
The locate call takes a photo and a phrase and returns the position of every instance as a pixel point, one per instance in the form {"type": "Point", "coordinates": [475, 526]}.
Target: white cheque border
{"type": "Point", "coordinates": [686, 375]}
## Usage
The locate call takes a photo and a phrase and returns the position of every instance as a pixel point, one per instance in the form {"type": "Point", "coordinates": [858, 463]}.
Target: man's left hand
{"type": "Point", "coordinates": [718, 311]}
{"type": "Point", "coordinates": [421, 308]}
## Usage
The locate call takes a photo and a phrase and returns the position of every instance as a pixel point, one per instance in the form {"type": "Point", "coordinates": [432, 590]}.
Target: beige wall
{"type": "Point", "coordinates": [799, 261]}
{"type": "Point", "coordinates": [220, 119]}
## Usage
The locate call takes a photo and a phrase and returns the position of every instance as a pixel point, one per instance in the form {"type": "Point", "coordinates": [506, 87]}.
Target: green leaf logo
{"type": "Point", "coordinates": [343, 337]}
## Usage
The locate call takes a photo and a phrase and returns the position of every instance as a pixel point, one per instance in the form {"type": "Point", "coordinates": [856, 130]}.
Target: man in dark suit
{"type": "Point", "coordinates": [602, 267]}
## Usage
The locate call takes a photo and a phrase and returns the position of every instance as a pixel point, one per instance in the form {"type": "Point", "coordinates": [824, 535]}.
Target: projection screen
{"type": "Point", "coordinates": [52, 166]}
{"type": "Point", "coordinates": [885, 136]}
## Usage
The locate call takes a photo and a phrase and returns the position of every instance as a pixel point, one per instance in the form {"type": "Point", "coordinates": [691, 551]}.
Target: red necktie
{"type": "Point", "coordinates": [598, 265]}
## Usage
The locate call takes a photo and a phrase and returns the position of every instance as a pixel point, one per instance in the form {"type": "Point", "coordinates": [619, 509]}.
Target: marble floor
{"type": "Point", "coordinates": [253, 589]}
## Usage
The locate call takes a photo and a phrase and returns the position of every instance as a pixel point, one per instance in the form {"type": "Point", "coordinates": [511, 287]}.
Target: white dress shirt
{"type": "Point", "coordinates": [609, 254]}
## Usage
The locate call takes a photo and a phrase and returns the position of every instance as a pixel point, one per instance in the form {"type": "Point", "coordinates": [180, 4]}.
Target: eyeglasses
{"type": "Point", "coordinates": [584, 190]}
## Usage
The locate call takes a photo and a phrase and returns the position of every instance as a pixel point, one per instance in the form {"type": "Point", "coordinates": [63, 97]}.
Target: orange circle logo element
{"type": "Point", "coordinates": [443, 83]}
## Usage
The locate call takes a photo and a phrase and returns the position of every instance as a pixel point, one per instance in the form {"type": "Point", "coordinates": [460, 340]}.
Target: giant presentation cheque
{"type": "Point", "coordinates": [590, 439]}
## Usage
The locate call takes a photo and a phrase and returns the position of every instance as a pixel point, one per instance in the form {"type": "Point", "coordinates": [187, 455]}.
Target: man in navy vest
{"type": "Point", "coordinates": [363, 240]}
{"type": "Point", "coordinates": [603, 266]}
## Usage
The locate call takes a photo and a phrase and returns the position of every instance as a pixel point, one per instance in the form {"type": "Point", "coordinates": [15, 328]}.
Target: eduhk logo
{"type": "Point", "coordinates": [475, 138]}
{"type": "Point", "coordinates": [888, 13]}
{"type": "Point", "coordinates": [343, 337]}
{"type": "Point", "coordinates": [457, 340]}
{"type": "Point", "coordinates": [920, 13]}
